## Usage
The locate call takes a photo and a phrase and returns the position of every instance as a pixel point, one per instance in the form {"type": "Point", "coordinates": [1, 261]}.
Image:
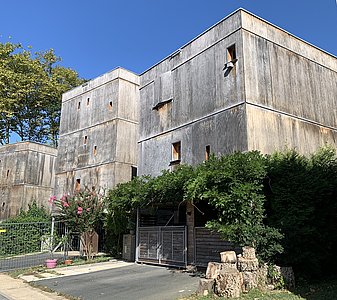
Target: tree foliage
{"type": "Point", "coordinates": [31, 86]}
{"type": "Point", "coordinates": [233, 184]}
{"type": "Point", "coordinates": [302, 203]}
{"type": "Point", "coordinates": [272, 202]}
{"type": "Point", "coordinates": [144, 191]}
{"type": "Point", "coordinates": [82, 213]}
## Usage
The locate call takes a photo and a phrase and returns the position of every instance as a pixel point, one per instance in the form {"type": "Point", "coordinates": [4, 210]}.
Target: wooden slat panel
{"type": "Point", "coordinates": [208, 246]}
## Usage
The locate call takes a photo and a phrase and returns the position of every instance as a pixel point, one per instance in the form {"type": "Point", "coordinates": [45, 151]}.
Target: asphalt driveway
{"type": "Point", "coordinates": [133, 282]}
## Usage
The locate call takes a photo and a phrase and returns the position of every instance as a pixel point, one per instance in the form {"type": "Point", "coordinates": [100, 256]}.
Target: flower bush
{"type": "Point", "coordinates": [82, 213]}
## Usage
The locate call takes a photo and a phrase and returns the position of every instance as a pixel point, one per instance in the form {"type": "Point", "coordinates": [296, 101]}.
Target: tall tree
{"type": "Point", "coordinates": [31, 87]}
{"type": "Point", "coordinates": [9, 89]}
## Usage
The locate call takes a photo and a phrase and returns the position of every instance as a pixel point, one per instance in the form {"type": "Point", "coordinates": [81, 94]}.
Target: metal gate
{"type": "Point", "coordinates": [164, 245]}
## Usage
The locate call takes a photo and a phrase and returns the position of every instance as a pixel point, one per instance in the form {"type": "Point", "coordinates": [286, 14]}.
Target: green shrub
{"type": "Point", "coordinates": [24, 232]}
{"type": "Point", "coordinates": [302, 203]}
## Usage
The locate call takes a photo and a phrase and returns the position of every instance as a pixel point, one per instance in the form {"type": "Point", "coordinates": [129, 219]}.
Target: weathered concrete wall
{"type": "Point", "coordinates": [224, 133]}
{"type": "Point", "coordinates": [98, 132]}
{"type": "Point", "coordinates": [196, 103]}
{"type": "Point", "coordinates": [290, 87]}
{"type": "Point", "coordinates": [269, 131]}
{"type": "Point", "coordinates": [27, 174]}
{"type": "Point", "coordinates": [188, 92]}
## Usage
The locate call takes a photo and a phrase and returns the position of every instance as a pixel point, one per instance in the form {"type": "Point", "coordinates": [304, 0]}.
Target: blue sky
{"type": "Point", "coordinates": [94, 37]}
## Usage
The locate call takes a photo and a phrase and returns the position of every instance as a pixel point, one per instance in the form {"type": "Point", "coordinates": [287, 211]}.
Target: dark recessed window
{"type": "Point", "coordinates": [7, 173]}
{"type": "Point", "coordinates": [88, 101]}
{"type": "Point", "coordinates": [95, 150]}
{"type": "Point", "coordinates": [110, 105]}
{"type": "Point", "coordinates": [85, 140]}
{"type": "Point", "coordinates": [79, 105]}
{"type": "Point", "coordinates": [133, 172]}
{"type": "Point", "coordinates": [207, 152]}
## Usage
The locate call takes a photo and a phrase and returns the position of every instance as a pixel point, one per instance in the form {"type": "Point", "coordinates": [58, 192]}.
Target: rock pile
{"type": "Point", "coordinates": [235, 274]}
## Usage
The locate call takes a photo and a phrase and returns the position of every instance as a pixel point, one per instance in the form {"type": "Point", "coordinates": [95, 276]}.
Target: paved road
{"type": "Point", "coordinates": [135, 282]}
{"type": "Point", "coordinates": [3, 297]}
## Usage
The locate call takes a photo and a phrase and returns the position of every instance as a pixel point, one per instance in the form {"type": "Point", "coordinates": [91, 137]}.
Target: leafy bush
{"type": "Point", "coordinates": [144, 191]}
{"type": "Point", "coordinates": [233, 184]}
{"type": "Point", "coordinates": [302, 203]}
{"type": "Point", "coordinates": [272, 202]}
{"type": "Point", "coordinates": [24, 232]}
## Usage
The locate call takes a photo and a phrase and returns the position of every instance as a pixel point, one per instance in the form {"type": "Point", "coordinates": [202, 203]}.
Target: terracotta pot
{"type": "Point", "coordinates": [68, 262]}
{"type": "Point", "coordinates": [51, 263]}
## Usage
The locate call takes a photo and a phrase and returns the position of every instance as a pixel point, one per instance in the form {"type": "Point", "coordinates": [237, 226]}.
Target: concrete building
{"type": "Point", "coordinates": [27, 174]}
{"type": "Point", "coordinates": [244, 84]}
{"type": "Point", "coordinates": [98, 133]}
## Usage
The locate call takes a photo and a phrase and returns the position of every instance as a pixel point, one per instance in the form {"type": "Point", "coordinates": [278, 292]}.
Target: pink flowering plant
{"type": "Point", "coordinates": [82, 213]}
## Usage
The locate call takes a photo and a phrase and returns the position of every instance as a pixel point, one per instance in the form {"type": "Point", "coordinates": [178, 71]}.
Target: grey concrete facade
{"type": "Point", "coordinates": [243, 84]}
{"type": "Point", "coordinates": [27, 174]}
{"type": "Point", "coordinates": [98, 133]}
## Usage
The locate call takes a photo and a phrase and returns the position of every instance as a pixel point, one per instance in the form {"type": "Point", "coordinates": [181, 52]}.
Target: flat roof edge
{"type": "Point", "coordinates": [191, 41]}
{"type": "Point", "coordinates": [64, 95]}
{"type": "Point", "coordinates": [228, 16]}
{"type": "Point", "coordinates": [28, 144]}
{"type": "Point", "coordinates": [291, 34]}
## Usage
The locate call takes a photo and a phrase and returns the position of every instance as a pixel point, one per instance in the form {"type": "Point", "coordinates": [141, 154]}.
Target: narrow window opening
{"type": "Point", "coordinates": [3, 204]}
{"type": "Point", "coordinates": [110, 105]}
{"type": "Point", "coordinates": [7, 173]}
{"type": "Point", "coordinates": [79, 105]}
{"type": "Point", "coordinates": [88, 101]}
{"type": "Point", "coordinates": [78, 185]}
{"type": "Point", "coordinates": [95, 150]}
{"type": "Point", "coordinates": [231, 53]}
{"type": "Point", "coordinates": [85, 140]}
{"type": "Point", "coordinates": [133, 172]}
{"type": "Point", "coordinates": [207, 152]}
{"type": "Point", "coordinates": [93, 188]}
{"type": "Point", "coordinates": [176, 153]}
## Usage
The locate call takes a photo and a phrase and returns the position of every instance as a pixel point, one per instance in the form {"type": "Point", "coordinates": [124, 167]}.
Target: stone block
{"type": "Point", "coordinates": [263, 276]}
{"type": "Point", "coordinates": [228, 257]}
{"type": "Point", "coordinates": [247, 265]}
{"type": "Point", "coordinates": [250, 280]}
{"type": "Point", "coordinates": [248, 252]}
{"type": "Point", "coordinates": [214, 269]}
{"type": "Point", "coordinates": [228, 284]}
{"type": "Point", "coordinates": [206, 286]}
